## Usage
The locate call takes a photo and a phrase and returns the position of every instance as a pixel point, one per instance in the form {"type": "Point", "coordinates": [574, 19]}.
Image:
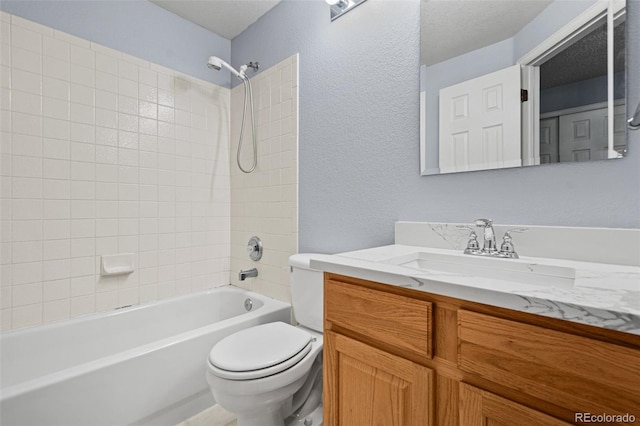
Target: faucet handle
{"type": "Point", "coordinates": [506, 248]}
{"type": "Point", "coordinates": [472, 244]}
{"type": "Point", "coordinates": [485, 223]}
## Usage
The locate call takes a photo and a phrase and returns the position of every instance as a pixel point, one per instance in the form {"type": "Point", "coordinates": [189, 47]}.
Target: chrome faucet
{"type": "Point", "coordinates": [489, 245]}
{"type": "Point", "coordinates": [489, 241]}
{"type": "Point", "coordinates": [249, 273]}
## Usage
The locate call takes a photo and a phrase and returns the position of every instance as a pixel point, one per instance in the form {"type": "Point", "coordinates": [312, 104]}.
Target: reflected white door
{"type": "Point", "coordinates": [480, 123]}
{"type": "Point", "coordinates": [583, 135]}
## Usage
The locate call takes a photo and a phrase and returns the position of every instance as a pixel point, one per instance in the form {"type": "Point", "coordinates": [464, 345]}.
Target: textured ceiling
{"type": "Point", "coordinates": [227, 18]}
{"type": "Point", "coordinates": [450, 28]}
{"type": "Point", "coordinates": [584, 60]}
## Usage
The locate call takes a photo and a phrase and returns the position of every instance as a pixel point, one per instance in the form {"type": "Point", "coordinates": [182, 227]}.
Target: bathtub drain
{"type": "Point", "coordinates": [248, 304]}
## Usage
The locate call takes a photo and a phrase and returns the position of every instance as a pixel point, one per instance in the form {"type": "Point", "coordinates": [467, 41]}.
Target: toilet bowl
{"type": "Point", "coordinates": [271, 374]}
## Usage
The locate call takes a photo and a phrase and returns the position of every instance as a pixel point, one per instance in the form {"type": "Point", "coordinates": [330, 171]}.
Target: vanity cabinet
{"type": "Point", "coordinates": [399, 356]}
{"type": "Point", "coordinates": [369, 384]}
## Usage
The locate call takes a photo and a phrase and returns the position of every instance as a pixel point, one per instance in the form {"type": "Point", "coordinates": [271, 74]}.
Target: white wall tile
{"type": "Point", "coordinates": [106, 100]}
{"type": "Point", "coordinates": [26, 39]}
{"type": "Point", "coordinates": [55, 310]}
{"type": "Point", "coordinates": [272, 188]}
{"type": "Point", "coordinates": [24, 316]}
{"type": "Point", "coordinates": [83, 133]}
{"type": "Point", "coordinates": [28, 251]}
{"type": "Point", "coordinates": [56, 169]}
{"type": "Point", "coordinates": [56, 48]}
{"type": "Point", "coordinates": [27, 209]}
{"type": "Point", "coordinates": [106, 63]}
{"type": "Point", "coordinates": [55, 108]}
{"type": "Point", "coordinates": [55, 290]}
{"type": "Point", "coordinates": [56, 128]}
{"type": "Point", "coordinates": [25, 124]}
{"type": "Point", "coordinates": [23, 166]}
{"type": "Point", "coordinates": [55, 189]}
{"type": "Point", "coordinates": [27, 230]}
{"type": "Point", "coordinates": [26, 81]}
{"type": "Point", "coordinates": [81, 94]}
{"type": "Point", "coordinates": [93, 163]}
{"type": "Point", "coordinates": [56, 229]}
{"type": "Point", "coordinates": [56, 269]}
{"type": "Point", "coordinates": [82, 305]}
{"type": "Point", "coordinates": [56, 249]}
{"type": "Point", "coordinates": [25, 273]}
{"type": "Point", "coordinates": [26, 145]}
{"type": "Point", "coordinates": [26, 103]}
{"type": "Point", "coordinates": [82, 56]}
{"type": "Point", "coordinates": [26, 187]}
{"type": "Point", "coordinates": [106, 81]}
{"type": "Point", "coordinates": [52, 67]}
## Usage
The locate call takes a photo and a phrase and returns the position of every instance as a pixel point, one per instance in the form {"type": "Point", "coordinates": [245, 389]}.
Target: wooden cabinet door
{"type": "Point", "coordinates": [366, 386]}
{"type": "Point", "coordinates": [482, 408]}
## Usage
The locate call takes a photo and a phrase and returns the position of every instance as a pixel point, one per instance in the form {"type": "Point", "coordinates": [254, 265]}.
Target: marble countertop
{"type": "Point", "coordinates": [602, 295]}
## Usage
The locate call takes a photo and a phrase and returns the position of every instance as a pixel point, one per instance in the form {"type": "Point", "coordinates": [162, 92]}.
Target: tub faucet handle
{"type": "Point", "coordinates": [254, 248]}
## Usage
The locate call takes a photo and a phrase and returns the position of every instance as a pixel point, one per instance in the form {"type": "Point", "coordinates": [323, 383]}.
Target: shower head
{"type": "Point", "coordinates": [217, 64]}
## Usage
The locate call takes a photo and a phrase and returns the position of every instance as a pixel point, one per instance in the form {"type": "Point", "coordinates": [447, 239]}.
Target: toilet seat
{"type": "Point", "coordinates": [259, 351]}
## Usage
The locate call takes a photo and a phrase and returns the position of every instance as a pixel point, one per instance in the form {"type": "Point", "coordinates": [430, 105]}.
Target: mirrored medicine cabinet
{"type": "Point", "coordinates": [521, 83]}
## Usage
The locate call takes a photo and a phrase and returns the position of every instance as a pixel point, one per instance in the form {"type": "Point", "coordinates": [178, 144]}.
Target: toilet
{"type": "Point", "coordinates": [271, 374]}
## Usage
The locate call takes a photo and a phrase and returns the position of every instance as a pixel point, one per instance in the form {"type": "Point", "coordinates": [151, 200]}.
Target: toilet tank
{"type": "Point", "coordinates": [306, 291]}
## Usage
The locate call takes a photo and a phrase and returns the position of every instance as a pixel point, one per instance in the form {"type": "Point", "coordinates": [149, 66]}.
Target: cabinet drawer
{"type": "Point", "coordinates": [574, 372]}
{"type": "Point", "coordinates": [396, 320]}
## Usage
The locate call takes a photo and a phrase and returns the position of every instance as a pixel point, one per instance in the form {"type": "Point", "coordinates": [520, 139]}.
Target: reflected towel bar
{"type": "Point", "coordinates": [634, 121]}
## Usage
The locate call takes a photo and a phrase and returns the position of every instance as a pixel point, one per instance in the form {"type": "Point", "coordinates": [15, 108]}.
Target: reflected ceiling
{"type": "Point", "coordinates": [484, 22]}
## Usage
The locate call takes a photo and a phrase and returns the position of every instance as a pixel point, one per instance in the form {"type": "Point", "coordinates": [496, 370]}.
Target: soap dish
{"type": "Point", "coordinates": [117, 264]}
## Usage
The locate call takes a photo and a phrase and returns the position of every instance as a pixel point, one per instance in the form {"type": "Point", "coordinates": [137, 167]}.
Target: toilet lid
{"type": "Point", "coordinates": [249, 353]}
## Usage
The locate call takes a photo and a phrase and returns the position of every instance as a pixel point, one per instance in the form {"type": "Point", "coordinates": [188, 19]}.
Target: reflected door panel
{"type": "Point", "coordinates": [480, 123]}
{"type": "Point", "coordinates": [549, 140]}
{"type": "Point", "coordinates": [583, 135]}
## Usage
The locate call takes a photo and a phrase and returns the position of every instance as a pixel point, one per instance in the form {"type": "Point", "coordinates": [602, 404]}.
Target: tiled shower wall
{"type": "Point", "coordinates": [265, 202]}
{"type": "Point", "coordinates": [104, 153]}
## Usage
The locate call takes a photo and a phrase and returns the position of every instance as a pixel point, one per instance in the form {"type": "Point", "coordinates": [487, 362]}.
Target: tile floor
{"type": "Point", "coordinates": [212, 416]}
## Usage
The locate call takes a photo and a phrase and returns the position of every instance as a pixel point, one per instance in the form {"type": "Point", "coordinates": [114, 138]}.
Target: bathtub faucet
{"type": "Point", "coordinates": [247, 274]}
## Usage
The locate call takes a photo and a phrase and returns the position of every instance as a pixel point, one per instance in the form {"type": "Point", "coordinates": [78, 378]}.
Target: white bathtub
{"type": "Point", "coordinates": [140, 365]}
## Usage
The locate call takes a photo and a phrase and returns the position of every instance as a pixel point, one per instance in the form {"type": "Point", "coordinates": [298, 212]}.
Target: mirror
{"type": "Point", "coordinates": [519, 83]}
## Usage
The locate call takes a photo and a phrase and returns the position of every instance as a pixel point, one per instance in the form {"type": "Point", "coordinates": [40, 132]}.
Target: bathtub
{"type": "Point", "coordinates": [139, 365]}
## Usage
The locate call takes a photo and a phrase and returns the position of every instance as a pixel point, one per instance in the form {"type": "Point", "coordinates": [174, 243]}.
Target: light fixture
{"type": "Point", "coordinates": [340, 7]}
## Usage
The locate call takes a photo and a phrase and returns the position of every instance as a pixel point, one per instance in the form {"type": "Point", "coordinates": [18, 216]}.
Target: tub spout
{"type": "Point", "coordinates": [247, 274]}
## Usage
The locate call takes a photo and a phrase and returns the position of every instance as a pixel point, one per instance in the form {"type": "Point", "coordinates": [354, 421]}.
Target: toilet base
{"type": "Point", "coordinates": [313, 419]}
{"type": "Point", "coordinates": [261, 418]}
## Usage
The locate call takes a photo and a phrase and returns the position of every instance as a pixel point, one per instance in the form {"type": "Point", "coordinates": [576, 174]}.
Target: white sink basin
{"type": "Point", "coordinates": [513, 270]}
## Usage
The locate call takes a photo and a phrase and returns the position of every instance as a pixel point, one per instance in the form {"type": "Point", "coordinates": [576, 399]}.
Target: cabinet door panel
{"type": "Point", "coordinates": [365, 386]}
{"type": "Point", "coordinates": [481, 408]}
{"type": "Point", "coordinates": [368, 386]}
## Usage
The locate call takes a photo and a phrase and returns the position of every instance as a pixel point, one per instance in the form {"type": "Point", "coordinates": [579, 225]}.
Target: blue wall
{"type": "Point", "coordinates": [359, 141]}
{"type": "Point", "coordinates": [139, 28]}
{"type": "Point", "coordinates": [358, 114]}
